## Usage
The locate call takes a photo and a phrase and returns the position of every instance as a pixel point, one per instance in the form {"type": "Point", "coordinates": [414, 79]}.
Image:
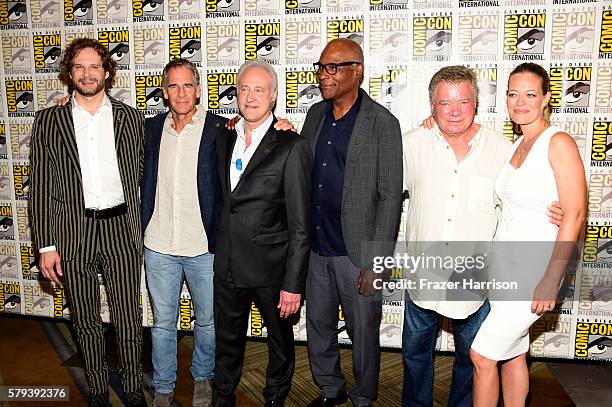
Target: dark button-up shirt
{"type": "Point", "coordinates": [328, 180]}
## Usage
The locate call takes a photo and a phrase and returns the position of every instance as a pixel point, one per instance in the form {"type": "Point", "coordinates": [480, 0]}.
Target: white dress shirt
{"type": "Point", "coordinates": [176, 226]}
{"type": "Point", "coordinates": [95, 137]}
{"type": "Point", "coordinates": [450, 200]}
{"type": "Point", "coordinates": [242, 152]}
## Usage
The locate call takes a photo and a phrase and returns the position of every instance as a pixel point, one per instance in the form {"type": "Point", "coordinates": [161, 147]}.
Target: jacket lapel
{"type": "Point", "coordinates": [361, 130]}
{"type": "Point", "coordinates": [66, 131]}
{"type": "Point", "coordinates": [118, 123]}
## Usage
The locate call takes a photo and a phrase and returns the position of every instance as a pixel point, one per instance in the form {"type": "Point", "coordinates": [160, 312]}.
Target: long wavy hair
{"type": "Point", "coordinates": [108, 63]}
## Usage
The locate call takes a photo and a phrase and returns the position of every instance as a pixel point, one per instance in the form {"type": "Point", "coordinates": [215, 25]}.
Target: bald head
{"type": "Point", "coordinates": [350, 48]}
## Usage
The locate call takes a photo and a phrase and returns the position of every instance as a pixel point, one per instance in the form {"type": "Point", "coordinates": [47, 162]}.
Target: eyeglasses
{"type": "Point", "coordinates": [331, 68]}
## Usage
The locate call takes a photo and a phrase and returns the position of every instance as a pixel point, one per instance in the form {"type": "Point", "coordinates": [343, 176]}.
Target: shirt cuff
{"type": "Point", "coordinates": [47, 249]}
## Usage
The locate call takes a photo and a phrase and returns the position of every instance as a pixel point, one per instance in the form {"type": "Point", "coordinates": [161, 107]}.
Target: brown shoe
{"type": "Point", "coordinates": [163, 399]}
{"type": "Point", "coordinates": [202, 393]}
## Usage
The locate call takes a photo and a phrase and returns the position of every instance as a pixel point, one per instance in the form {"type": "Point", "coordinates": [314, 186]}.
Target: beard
{"type": "Point", "coordinates": [89, 90]}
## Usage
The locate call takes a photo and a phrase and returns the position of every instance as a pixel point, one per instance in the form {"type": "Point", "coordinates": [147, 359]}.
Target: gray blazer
{"type": "Point", "coordinates": [372, 191]}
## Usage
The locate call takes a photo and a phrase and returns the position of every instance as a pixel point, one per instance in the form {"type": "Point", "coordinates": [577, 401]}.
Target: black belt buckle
{"type": "Point", "coordinates": [107, 213]}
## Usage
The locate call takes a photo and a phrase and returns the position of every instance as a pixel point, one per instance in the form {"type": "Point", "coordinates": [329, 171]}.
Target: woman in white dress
{"type": "Point", "coordinates": [543, 164]}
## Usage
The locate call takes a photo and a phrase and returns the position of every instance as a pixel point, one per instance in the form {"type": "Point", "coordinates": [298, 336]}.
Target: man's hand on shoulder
{"type": "Point", "coordinates": [289, 303]}
{"type": "Point", "coordinates": [284, 124]}
{"type": "Point", "coordinates": [49, 264]}
{"type": "Point", "coordinates": [63, 101]}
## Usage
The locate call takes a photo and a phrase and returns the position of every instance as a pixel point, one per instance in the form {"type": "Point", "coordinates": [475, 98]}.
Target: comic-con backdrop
{"type": "Point", "coordinates": [405, 42]}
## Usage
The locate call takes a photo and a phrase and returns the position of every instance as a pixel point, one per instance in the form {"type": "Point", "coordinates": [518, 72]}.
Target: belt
{"type": "Point", "coordinates": [106, 213]}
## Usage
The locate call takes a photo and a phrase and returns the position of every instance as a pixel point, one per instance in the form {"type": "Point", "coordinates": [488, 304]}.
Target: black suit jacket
{"type": "Point", "coordinates": [209, 198]}
{"type": "Point", "coordinates": [58, 208]}
{"type": "Point", "coordinates": [264, 234]}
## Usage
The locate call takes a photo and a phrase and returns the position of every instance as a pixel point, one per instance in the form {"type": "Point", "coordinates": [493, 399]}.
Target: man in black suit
{"type": "Point", "coordinates": [263, 240]}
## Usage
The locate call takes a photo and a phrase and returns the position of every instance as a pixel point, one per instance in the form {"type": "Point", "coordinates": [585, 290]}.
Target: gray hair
{"type": "Point", "coordinates": [454, 74]}
{"type": "Point", "coordinates": [181, 62]}
{"type": "Point", "coordinates": [258, 63]}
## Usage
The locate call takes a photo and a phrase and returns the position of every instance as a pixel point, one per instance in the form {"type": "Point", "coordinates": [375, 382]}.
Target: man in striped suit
{"type": "Point", "coordinates": [86, 168]}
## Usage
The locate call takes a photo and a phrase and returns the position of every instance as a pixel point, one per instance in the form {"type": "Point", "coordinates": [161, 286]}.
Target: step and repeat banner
{"type": "Point", "coordinates": [404, 41]}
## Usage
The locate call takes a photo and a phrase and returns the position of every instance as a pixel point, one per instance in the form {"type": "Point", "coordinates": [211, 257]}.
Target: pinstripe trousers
{"type": "Point", "coordinates": [107, 248]}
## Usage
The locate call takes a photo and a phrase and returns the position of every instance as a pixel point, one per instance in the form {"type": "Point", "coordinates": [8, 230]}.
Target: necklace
{"type": "Point", "coordinates": [524, 148]}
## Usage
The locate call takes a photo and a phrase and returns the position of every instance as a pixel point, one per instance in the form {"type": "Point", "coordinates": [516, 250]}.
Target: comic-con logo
{"type": "Point", "coordinates": [222, 8]}
{"type": "Point", "coordinates": [122, 89]}
{"type": "Point", "coordinates": [23, 223]}
{"type": "Point", "coordinates": [551, 337]}
{"type": "Point", "coordinates": [302, 6]}
{"type": "Point", "coordinates": [148, 10]}
{"type": "Point", "coordinates": [78, 12]}
{"type": "Point", "coordinates": [186, 42]}
{"type": "Point", "coordinates": [48, 91]}
{"type": "Point", "coordinates": [36, 301]}
{"type": "Point", "coordinates": [149, 47]}
{"type": "Point", "coordinates": [16, 54]}
{"type": "Point", "coordinates": [302, 41]}
{"type": "Point", "coordinates": [61, 308]}
{"type": "Point", "coordinates": [118, 43]}
{"type": "Point", "coordinates": [47, 52]}
{"type": "Point", "coordinates": [45, 13]}
{"type": "Point", "coordinates": [10, 298]}
{"type": "Point", "coordinates": [344, 6]}
{"type": "Point", "coordinates": [478, 36]}
{"type": "Point", "coordinates": [593, 340]}
{"type": "Point", "coordinates": [79, 32]}
{"type": "Point", "coordinates": [183, 9]}
{"type": "Point", "coordinates": [351, 28]}
{"type": "Point", "coordinates": [301, 90]}
{"type": "Point", "coordinates": [186, 315]}
{"type": "Point", "coordinates": [389, 38]}
{"type": "Point", "coordinates": [261, 7]}
{"type": "Point", "coordinates": [432, 38]}
{"type": "Point", "coordinates": [21, 134]}
{"type": "Point", "coordinates": [597, 244]}
{"type": "Point", "coordinates": [572, 35]}
{"type": "Point", "coordinates": [577, 126]}
{"type": "Point", "coordinates": [7, 231]}
{"type": "Point", "coordinates": [262, 40]}
{"type": "Point", "coordinates": [223, 43]}
{"type": "Point", "coordinates": [385, 5]}
{"type": "Point", "coordinates": [570, 89]}
{"type": "Point", "coordinates": [601, 144]}
{"type": "Point", "coordinates": [29, 264]}
{"type": "Point", "coordinates": [3, 142]}
{"type": "Point", "coordinates": [222, 94]}
{"type": "Point", "coordinates": [13, 15]}
{"type": "Point", "coordinates": [487, 88]}
{"type": "Point", "coordinates": [20, 97]}
{"type": "Point", "coordinates": [478, 3]}
{"type": "Point", "coordinates": [149, 94]}
{"type": "Point", "coordinates": [605, 38]}
{"type": "Point", "coordinates": [5, 184]}
{"type": "Point", "coordinates": [389, 88]}
{"type": "Point", "coordinates": [21, 181]}
{"type": "Point", "coordinates": [112, 11]}
{"type": "Point", "coordinates": [524, 36]}
{"type": "Point", "coordinates": [8, 261]}
{"type": "Point", "coordinates": [257, 323]}
{"type": "Point", "coordinates": [603, 89]}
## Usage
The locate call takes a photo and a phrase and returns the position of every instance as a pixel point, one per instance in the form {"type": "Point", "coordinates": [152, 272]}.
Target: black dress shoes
{"type": "Point", "coordinates": [323, 401]}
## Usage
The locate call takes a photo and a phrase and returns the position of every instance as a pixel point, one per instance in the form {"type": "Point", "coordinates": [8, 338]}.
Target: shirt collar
{"type": "Point", "coordinates": [197, 117]}
{"type": "Point", "coordinates": [352, 111]}
{"type": "Point", "coordinates": [258, 132]}
{"type": "Point", "coordinates": [106, 103]}
{"type": "Point", "coordinates": [472, 143]}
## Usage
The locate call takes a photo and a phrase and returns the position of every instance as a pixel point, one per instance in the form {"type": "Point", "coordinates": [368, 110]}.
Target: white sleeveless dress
{"type": "Point", "coordinates": [525, 193]}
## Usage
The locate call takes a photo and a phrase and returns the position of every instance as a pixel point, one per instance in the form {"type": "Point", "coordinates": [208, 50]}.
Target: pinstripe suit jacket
{"type": "Point", "coordinates": [57, 203]}
{"type": "Point", "coordinates": [372, 190]}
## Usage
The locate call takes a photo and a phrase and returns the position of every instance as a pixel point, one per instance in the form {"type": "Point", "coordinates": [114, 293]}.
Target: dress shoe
{"type": "Point", "coordinates": [275, 403]}
{"type": "Point", "coordinates": [136, 399]}
{"type": "Point", "coordinates": [323, 401]}
{"type": "Point", "coordinates": [163, 399]}
{"type": "Point", "coordinates": [98, 400]}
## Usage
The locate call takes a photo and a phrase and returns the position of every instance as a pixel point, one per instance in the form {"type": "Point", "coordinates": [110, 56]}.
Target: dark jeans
{"type": "Point", "coordinates": [418, 342]}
